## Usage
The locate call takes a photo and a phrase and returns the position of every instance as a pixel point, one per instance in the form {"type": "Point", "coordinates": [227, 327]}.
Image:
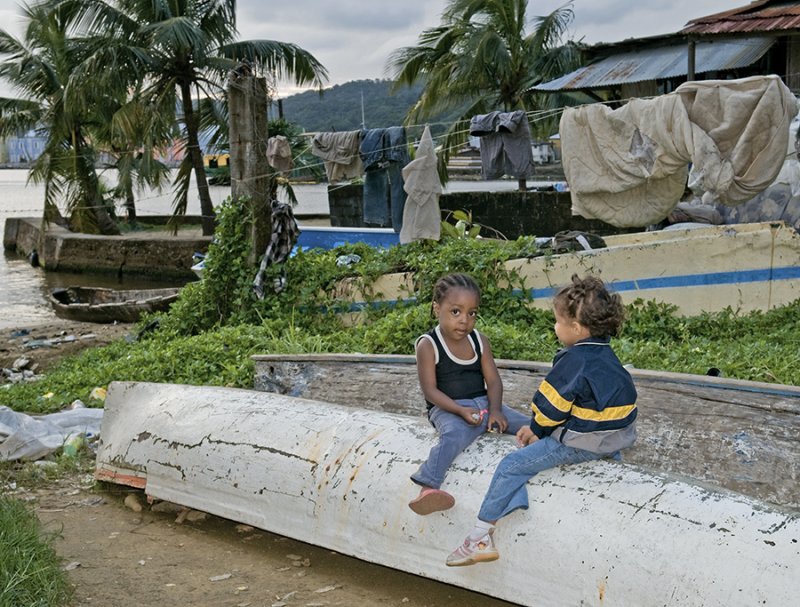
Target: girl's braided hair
{"type": "Point", "coordinates": [454, 281]}
{"type": "Point", "coordinates": [589, 301]}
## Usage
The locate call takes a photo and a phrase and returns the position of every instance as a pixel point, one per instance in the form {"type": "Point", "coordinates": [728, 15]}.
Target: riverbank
{"type": "Point", "coordinates": [120, 550]}
{"type": "Point", "coordinates": [45, 343]}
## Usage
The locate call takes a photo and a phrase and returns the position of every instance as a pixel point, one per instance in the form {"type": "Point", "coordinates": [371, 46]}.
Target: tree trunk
{"type": "Point", "coordinates": [250, 173]}
{"type": "Point", "coordinates": [208, 218]}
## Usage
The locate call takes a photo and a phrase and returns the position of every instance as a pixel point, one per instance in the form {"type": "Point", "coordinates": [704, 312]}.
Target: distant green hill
{"type": "Point", "coordinates": [339, 107]}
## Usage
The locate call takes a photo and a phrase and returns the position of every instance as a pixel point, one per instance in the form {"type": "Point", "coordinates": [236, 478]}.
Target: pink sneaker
{"type": "Point", "coordinates": [472, 551]}
{"type": "Point", "coordinates": [431, 500]}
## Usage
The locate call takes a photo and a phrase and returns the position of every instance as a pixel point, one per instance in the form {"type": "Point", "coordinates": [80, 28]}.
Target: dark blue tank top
{"type": "Point", "coordinates": [458, 379]}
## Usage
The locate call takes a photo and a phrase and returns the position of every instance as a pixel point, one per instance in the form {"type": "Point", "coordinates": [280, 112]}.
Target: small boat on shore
{"type": "Point", "coordinates": [101, 305]}
{"type": "Point", "coordinates": [702, 512]}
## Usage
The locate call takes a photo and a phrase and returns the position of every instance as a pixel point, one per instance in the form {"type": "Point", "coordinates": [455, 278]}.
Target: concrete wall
{"type": "Point", "coordinates": [158, 254]}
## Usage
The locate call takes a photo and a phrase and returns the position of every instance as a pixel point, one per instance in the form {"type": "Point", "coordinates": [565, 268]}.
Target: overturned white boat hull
{"type": "Point", "coordinates": [599, 533]}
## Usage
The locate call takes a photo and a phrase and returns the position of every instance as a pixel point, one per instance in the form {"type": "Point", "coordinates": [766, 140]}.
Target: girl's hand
{"type": "Point", "coordinates": [525, 436]}
{"type": "Point", "coordinates": [497, 423]}
{"type": "Point", "coordinates": [471, 416]}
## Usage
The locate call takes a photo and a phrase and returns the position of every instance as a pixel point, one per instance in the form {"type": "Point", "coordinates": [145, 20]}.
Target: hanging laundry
{"type": "Point", "coordinates": [339, 151]}
{"type": "Point", "coordinates": [505, 144]}
{"type": "Point", "coordinates": [384, 153]}
{"type": "Point", "coordinates": [279, 153]}
{"type": "Point", "coordinates": [629, 167]}
{"type": "Point", "coordinates": [284, 236]}
{"type": "Point", "coordinates": [422, 217]}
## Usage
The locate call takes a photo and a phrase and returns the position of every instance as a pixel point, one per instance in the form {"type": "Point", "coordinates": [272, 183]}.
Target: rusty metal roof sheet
{"type": "Point", "coordinates": [764, 16]}
{"type": "Point", "coordinates": [661, 63]}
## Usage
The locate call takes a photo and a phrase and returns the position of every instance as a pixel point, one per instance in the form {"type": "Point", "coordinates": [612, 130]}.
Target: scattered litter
{"type": "Point", "coordinates": [33, 437]}
{"type": "Point", "coordinates": [98, 394]}
{"type": "Point", "coordinates": [347, 260]}
{"type": "Point", "coordinates": [241, 588]}
{"type": "Point", "coordinates": [219, 578]}
{"type": "Point", "coordinates": [327, 589]}
{"type": "Point", "coordinates": [294, 557]}
{"type": "Point", "coordinates": [283, 569]}
{"type": "Point", "coordinates": [170, 585]}
{"type": "Point", "coordinates": [72, 566]}
{"type": "Point", "coordinates": [244, 529]}
{"type": "Point", "coordinates": [20, 364]}
{"type": "Point", "coordinates": [279, 604]}
{"type": "Point", "coordinates": [142, 562]}
{"type": "Point", "coordinates": [286, 597]}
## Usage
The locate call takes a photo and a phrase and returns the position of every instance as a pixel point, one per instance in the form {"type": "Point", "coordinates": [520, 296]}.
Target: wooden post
{"type": "Point", "coordinates": [690, 67]}
{"type": "Point", "coordinates": [247, 102]}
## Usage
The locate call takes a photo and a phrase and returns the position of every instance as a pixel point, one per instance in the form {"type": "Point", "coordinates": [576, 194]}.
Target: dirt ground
{"type": "Point", "coordinates": [120, 551]}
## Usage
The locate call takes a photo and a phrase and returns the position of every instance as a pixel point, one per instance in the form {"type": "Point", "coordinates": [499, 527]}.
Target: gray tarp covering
{"type": "Point", "coordinates": [27, 437]}
{"type": "Point", "coordinates": [629, 166]}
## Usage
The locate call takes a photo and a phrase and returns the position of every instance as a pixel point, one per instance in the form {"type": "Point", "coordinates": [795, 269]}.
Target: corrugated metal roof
{"type": "Point", "coordinates": [661, 63]}
{"type": "Point", "coordinates": [763, 16]}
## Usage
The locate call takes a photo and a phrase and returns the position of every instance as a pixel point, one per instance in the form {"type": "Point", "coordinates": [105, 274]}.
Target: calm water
{"type": "Point", "coordinates": [24, 289]}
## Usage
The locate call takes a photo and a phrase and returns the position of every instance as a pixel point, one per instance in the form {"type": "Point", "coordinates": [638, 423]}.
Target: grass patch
{"type": "Point", "coordinates": [30, 572]}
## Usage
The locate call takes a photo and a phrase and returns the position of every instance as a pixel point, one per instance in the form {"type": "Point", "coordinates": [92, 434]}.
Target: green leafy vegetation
{"type": "Point", "coordinates": [217, 324]}
{"type": "Point", "coordinates": [30, 572]}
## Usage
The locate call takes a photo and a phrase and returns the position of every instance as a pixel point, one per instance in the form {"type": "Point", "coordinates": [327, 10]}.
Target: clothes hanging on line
{"type": "Point", "coordinates": [340, 154]}
{"type": "Point", "coordinates": [630, 166]}
{"type": "Point", "coordinates": [279, 153]}
{"type": "Point", "coordinates": [284, 236]}
{"type": "Point", "coordinates": [384, 153]}
{"type": "Point", "coordinates": [505, 144]}
{"type": "Point", "coordinates": [421, 215]}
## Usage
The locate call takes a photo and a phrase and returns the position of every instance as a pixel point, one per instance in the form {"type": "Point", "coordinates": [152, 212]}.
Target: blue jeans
{"type": "Point", "coordinates": [455, 435]}
{"type": "Point", "coordinates": [508, 489]}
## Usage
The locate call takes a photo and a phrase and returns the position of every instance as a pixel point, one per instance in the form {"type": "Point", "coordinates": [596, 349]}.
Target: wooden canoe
{"type": "Point", "coordinates": [100, 305]}
{"type": "Point", "coordinates": [604, 533]}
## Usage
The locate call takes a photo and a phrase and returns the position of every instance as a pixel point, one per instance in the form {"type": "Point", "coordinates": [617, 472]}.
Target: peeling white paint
{"type": "Point", "coordinates": [600, 533]}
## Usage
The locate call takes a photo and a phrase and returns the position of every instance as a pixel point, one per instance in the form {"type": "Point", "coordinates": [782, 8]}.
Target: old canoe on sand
{"type": "Point", "coordinates": [689, 518]}
{"type": "Point", "coordinates": [100, 305]}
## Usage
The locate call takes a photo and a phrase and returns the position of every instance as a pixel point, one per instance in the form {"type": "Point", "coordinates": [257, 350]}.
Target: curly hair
{"type": "Point", "coordinates": [589, 301]}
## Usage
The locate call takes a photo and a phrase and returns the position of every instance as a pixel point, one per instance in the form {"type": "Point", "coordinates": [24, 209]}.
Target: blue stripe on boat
{"type": "Point", "coordinates": [642, 284]}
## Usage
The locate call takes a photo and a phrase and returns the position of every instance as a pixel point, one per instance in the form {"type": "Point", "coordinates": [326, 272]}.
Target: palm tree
{"type": "Point", "coordinates": [182, 51]}
{"type": "Point", "coordinates": [40, 68]}
{"type": "Point", "coordinates": [482, 58]}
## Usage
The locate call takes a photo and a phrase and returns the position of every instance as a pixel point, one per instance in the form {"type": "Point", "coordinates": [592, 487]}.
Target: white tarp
{"type": "Point", "coordinates": [629, 167]}
{"type": "Point", "coordinates": [27, 437]}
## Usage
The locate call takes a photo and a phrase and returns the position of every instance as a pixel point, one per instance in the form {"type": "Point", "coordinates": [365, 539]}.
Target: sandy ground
{"type": "Point", "coordinates": [121, 551]}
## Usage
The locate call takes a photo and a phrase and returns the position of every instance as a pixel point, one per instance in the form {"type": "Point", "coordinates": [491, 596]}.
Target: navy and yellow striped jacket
{"type": "Point", "coordinates": [587, 400]}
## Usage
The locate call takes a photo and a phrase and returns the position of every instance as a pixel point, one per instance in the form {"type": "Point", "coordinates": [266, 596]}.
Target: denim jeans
{"type": "Point", "coordinates": [508, 489]}
{"type": "Point", "coordinates": [455, 435]}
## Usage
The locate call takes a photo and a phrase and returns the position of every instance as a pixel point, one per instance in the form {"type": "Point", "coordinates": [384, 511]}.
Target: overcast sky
{"type": "Point", "coordinates": [354, 38]}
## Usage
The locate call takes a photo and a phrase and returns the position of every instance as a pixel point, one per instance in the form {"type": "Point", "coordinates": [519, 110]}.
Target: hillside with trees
{"type": "Point", "coordinates": [339, 107]}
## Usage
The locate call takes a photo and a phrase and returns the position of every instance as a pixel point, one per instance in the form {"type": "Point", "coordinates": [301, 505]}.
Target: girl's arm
{"type": "Point", "coordinates": [494, 386]}
{"type": "Point", "coordinates": [426, 371]}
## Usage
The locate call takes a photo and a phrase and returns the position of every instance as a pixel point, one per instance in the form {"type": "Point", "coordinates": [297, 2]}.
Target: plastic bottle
{"type": "Point", "coordinates": [73, 445]}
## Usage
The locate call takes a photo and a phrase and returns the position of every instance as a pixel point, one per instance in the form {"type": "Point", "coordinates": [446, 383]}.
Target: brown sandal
{"type": "Point", "coordinates": [431, 500]}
